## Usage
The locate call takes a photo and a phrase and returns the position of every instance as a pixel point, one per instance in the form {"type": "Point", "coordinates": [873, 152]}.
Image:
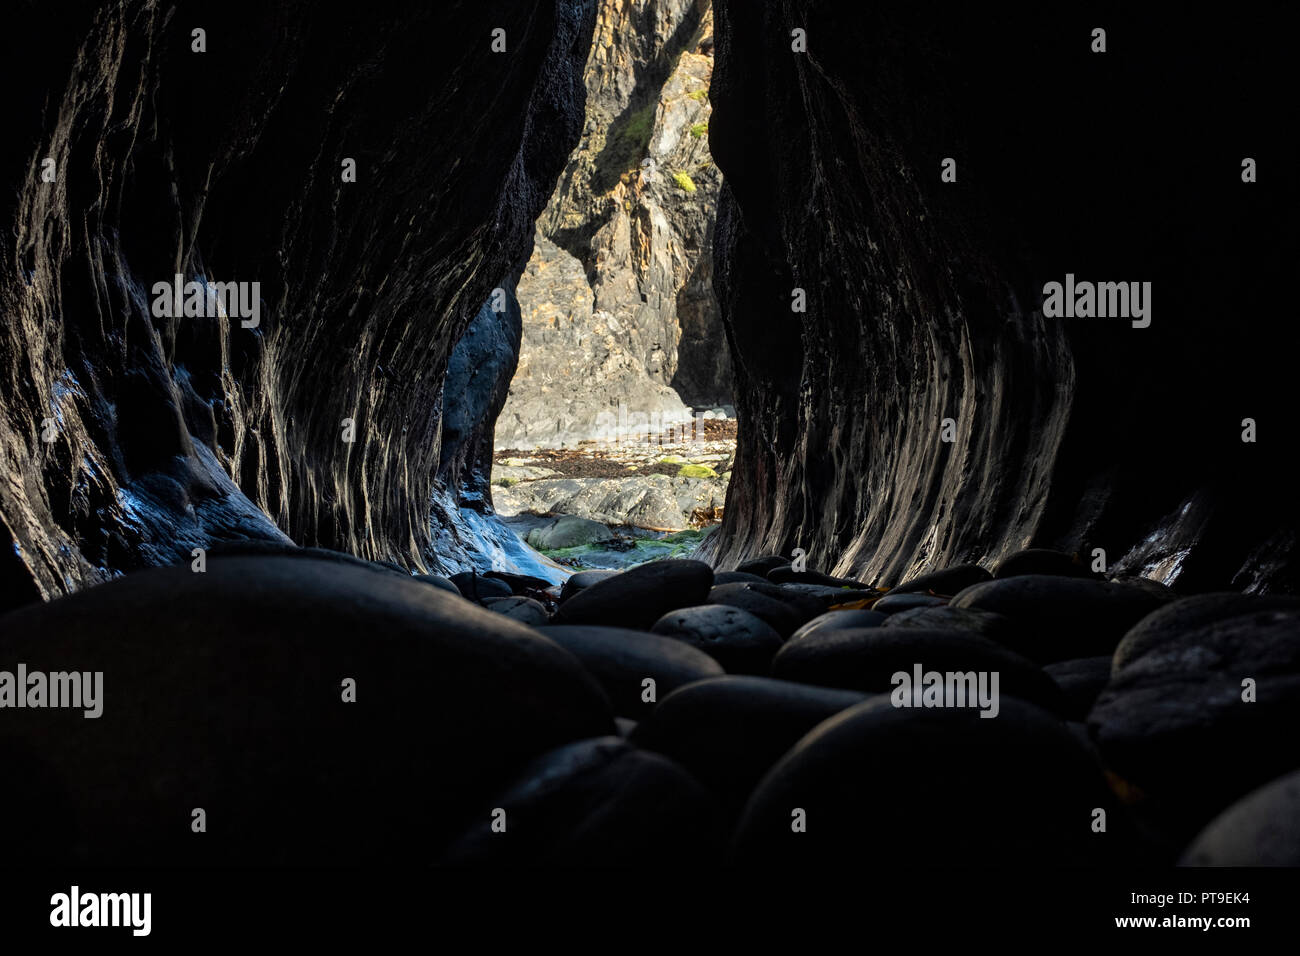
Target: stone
{"type": "Point", "coordinates": [1260, 829]}
{"type": "Point", "coordinates": [1080, 680]}
{"type": "Point", "coordinates": [867, 659]}
{"type": "Point", "coordinates": [638, 597]}
{"type": "Point", "coordinates": [1060, 618]}
{"type": "Point", "coordinates": [995, 627]}
{"type": "Point", "coordinates": [568, 531]}
{"type": "Point", "coordinates": [594, 803]}
{"type": "Point", "coordinates": [225, 690]}
{"type": "Point", "coordinates": [777, 613]}
{"type": "Point", "coordinates": [476, 587]}
{"type": "Point", "coordinates": [761, 565]}
{"type": "Point", "coordinates": [1042, 561]}
{"type": "Point", "coordinates": [839, 620]}
{"type": "Point", "coordinates": [948, 581]}
{"type": "Point", "coordinates": [621, 660]}
{"type": "Point", "coordinates": [582, 580]}
{"type": "Point", "coordinates": [729, 731]}
{"type": "Point", "coordinates": [736, 639]}
{"type": "Point", "coordinates": [1174, 721]}
{"type": "Point", "coordinates": [438, 581]}
{"type": "Point", "coordinates": [893, 603]}
{"type": "Point", "coordinates": [1188, 614]}
{"type": "Point", "coordinates": [943, 786]}
{"type": "Point", "coordinates": [785, 574]}
{"type": "Point", "coordinates": [737, 577]}
{"type": "Point", "coordinates": [522, 609]}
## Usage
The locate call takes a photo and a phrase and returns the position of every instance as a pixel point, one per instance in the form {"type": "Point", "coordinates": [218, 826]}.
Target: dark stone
{"type": "Point", "coordinates": [438, 581]}
{"type": "Point", "coordinates": [224, 690]}
{"type": "Point", "coordinates": [737, 577]}
{"type": "Point", "coordinates": [778, 613]}
{"type": "Point", "coordinates": [736, 639]}
{"type": "Point", "coordinates": [519, 583]}
{"type": "Point", "coordinates": [995, 627]}
{"type": "Point", "coordinates": [476, 587]}
{"type": "Point", "coordinates": [760, 566]}
{"type": "Point", "coordinates": [785, 574]}
{"type": "Point", "coordinates": [866, 660]}
{"type": "Point", "coordinates": [1172, 722]}
{"type": "Point", "coordinates": [948, 581]}
{"type": "Point", "coordinates": [1260, 829]}
{"type": "Point", "coordinates": [621, 659]}
{"type": "Point", "coordinates": [1060, 618]}
{"type": "Point", "coordinates": [522, 609]}
{"type": "Point", "coordinates": [839, 620]}
{"type": "Point", "coordinates": [1080, 680]}
{"type": "Point", "coordinates": [943, 786]}
{"type": "Point", "coordinates": [1189, 614]}
{"type": "Point", "coordinates": [581, 581]}
{"type": "Point", "coordinates": [893, 603]}
{"type": "Point", "coordinates": [825, 596]}
{"type": "Point", "coordinates": [728, 731]}
{"type": "Point", "coordinates": [1042, 561]}
{"type": "Point", "coordinates": [638, 597]}
{"type": "Point", "coordinates": [600, 802]}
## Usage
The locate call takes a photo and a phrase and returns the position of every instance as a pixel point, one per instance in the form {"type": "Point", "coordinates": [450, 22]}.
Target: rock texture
{"type": "Point", "coordinates": [167, 434]}
{"type": "Point", "coordinates": [924, 297]}
{"type": "Point", "coordinates": [618, 302]}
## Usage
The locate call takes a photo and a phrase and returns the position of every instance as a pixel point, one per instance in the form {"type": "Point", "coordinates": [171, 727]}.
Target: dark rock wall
{"type": "Point", "coordinates": [924, 298]}
{"type": "Point", "coordinates": [174, 433]}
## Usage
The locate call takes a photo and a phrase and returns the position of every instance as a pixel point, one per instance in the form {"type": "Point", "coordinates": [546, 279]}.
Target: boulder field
{"type": "Point", "coordinates": [287, 705]}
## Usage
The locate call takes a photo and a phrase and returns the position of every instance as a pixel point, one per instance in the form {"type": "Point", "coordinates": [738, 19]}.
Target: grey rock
{"type": "Point", "coordinates": [736, 639]}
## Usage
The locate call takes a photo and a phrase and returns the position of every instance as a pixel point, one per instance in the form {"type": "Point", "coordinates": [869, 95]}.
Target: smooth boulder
{"type": "Point", "coordinates": [1260, 829]}
{"type": "Point", "coordinates": [949, 581]}
{"type": "Point", "coordinates": [736, 639]}
{"type": "Point", "coordinates": [638, 597]}
{"type": "Point", "coordinates": [622, 660]}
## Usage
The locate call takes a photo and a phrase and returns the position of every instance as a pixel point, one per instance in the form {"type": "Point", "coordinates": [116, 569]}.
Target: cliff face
{"type": "Point", "coordinates": [130, 438]}
{"type": "Point", "coordinates": [924, 297]}
{"type": "Point", "coordinates": [632, 215]}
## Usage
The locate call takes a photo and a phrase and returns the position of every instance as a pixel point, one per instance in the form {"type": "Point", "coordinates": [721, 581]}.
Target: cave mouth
{"type": "Point", "coordinates": [615, 442]}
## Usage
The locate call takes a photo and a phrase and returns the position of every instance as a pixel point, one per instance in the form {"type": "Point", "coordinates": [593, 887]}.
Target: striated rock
{"type": "Point", "coordinates": [654, 502]}
{"type": "Point", "coordinates": [174, 433]}
{"type": "Point", "coordinates": [923, 297]}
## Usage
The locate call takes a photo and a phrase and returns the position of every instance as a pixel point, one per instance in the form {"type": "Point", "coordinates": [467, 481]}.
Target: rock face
{"type": "Point", "coordinates": [923, 297]}
{"type": "Point", "coordinates": [129, 438]}
{"type": "Point", "coordinates": [618, 301]}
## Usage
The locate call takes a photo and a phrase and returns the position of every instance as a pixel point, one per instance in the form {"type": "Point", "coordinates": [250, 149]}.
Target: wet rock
{"type": "Point", "coordinates": [948, 581]}
{"type": "Point", "coordinates": [1179, 707]}
{"type": "Point", "coordinates": [519, 583]}
{"type": "Point", "coordinates": [1260, 829]}
{"type": "Point", "coordinates": [568, 531]}
{"type": "Point", "coordinates": [893, 603]}
{"type": "Point", "coordinates": [1189, 614]}
{"type": "Point", "coordinates": [867, 659]}
{"type": "Point", "coordinates": [582, 580]}
{"type": "Point", "coordinates": [1080, 680]}
{"type": "Point", "coordinates": [940, 785]}
{"type": "Point", "coordinates": [225, 690]}
{"type": "Point", "coordinates": [1060, 618]}
{"type": "Point", "coordinates": [785, 574]}
{"type": "Point", "coordinates": [1042, 561]}
{"type": "Point", "coordinates": [728, 731]}
{"type": "Point", "coordinates": [522, 609]}
{"type": "Point", "coordinates": [736, 639]}
{"type": "Point", "coordinates": [638, 597]}
{"type": "Point", "coordinates": [621, 660]}
{"type": "Point", "coordinates": [438, 581]}
{"type": "Point", "coordinates": [839, 620]}
{"type": "Point", "coordinates": [600, 802]}
{"type": "Point", "coordinates": [737, 577]}
{"type": "Point", "coordinates": [995, 627]}
{"type": "Point", "coordinates": [476, 587]}
{"type": "Point", "coordinates": [771, 608]}
{"type": "Point", "coordinates": [761, 565]}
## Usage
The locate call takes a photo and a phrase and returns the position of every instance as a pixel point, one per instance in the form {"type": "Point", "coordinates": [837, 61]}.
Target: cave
{"type": "Point", "coordinates": [990, 307]}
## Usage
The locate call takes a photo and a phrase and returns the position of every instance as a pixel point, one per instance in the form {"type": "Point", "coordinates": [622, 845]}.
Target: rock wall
{"type": "Point", "coordinates": [129, 438]}
{"type": "Point", "coordinates": [631, 220]}
{"type": "Point", "coordinates": [924, 297]}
